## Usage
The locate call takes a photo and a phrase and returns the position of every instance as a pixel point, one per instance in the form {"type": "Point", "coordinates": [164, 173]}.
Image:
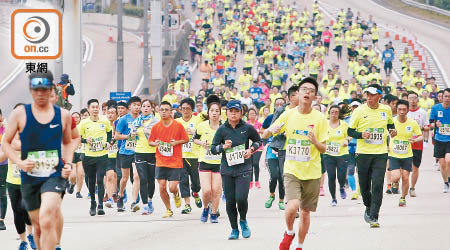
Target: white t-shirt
{"type": "Point", "coordinates": [420, 116]}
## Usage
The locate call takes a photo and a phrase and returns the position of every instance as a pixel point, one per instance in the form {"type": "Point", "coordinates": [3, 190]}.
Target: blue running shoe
{"type": "Point", "coordinates": [58, 248]}
{"type": "Point", "coordinates": [146, 210]}
{"type": "Point", "coordinates": [205, 214]}
{"type": "Point", "coordinates": [23, 245]}
{"type": "Point", "coordinates": [246, 233]}
{"type": "Point", "coordinates": [214, 219]}
{"type": "Point", "coordinates": [125, 196]}
{"type": "Point", "coordinates": [31, 241]}
{"type": "Point", "coordinates": [234, 235]}
{"type": "Point", "coordinates": [343, 193]}
{"type": "Point", "coordinates": [150, 207]}
{"type": "Point", "coordinates": [138, 199]}
{"type": "Point", "coordinates": [109, 203]}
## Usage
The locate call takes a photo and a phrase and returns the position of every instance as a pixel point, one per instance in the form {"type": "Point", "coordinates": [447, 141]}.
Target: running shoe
{"type": "Point", "coordinates": [246, 233]}
{"type": "Point", "coordinates": [343, 193]}
{"type": "Point", "coordinates": [354, 196]}
{"type": "Point", "coordinates": [286, 242]}
{"type": "Point", "coordinates": [120, 205]}
{"type": "Point", "coordinates": [70, 188]}
{"type": "Point", "coordinates": [214, 218]}
{"type": "Point", "coordinates": [402, 202]}
{"type": "Point", "coordinates": [146, 210]}
{"type": "Point", "coordinates": [134, 207]}
{"type": "Point", "coordinates": [2, 225]}
{"type": "Point", "coordinates": [251, 184]}
{"type": "Point", "coordinates": [105, 198]}
{"type": "Point", "coordinates": [234, 235]}
{"type": "Point", "coordinates": [109, 203]}
{"type": "Point", "coordinates": [125, 196]}
{"type": "Point", "coordinates": [257, 185]}
{"type": "Point", "coordinates": [58, 248]}
{"type": "Point", "coordinates": [150, 207]}
{"type": "Point", "coordinates": [412, 192]}
{"type": "Point", "coordinates": [31, 241]}
{"type": "Point", "coordinates": [93, 209]}
{"type": "Point", "coordinates": [367, 216]}
{"type": "Point", "coordinates": [198, 201]}
{"type": "Point", "coordinates": [322, 192]}
{"type": "Point", "coordinates": [78, 195]}
{"type": "Point", "coordinates": [446, 188]}
{"type": "Point", "coordinates": [205, 213]}
{"type": "Point", "coordinates": [23, 245]}
{"type": "Point", "coordinates": [334, 203]}
{"type": "Point", "coordinates": [100, 210]}
{"type": "Point", "coordinates": [388, 190]}
{"type": "Point", "coordinates": [374, 223]}
{"type": "Point", "coordinates": [177, 200]}
{"type": "Point", "coordinates": [187, 209]}
{"type": "Point", "coordinates": [168, 213]}
{"type": "Point", "coordinates": [281, 205]}
{"type": "Point", "coordinates": [395, 188]}
{"type": "Point", "coordinates": [269, 201]}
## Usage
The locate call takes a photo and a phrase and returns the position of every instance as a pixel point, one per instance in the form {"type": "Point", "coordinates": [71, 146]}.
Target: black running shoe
{"type": "Point", "coordinates": [93, 210]}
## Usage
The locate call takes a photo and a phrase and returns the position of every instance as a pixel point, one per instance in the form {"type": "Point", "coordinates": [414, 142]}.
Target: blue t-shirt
{"type": "Point", "coordinates": [438, 113]}
{"type": "Point", "coordinates": [124, 127]}
{"type": "Point", "coordinates": [255, 93]}
{"type": "Point", "coordinates": [388, 55]}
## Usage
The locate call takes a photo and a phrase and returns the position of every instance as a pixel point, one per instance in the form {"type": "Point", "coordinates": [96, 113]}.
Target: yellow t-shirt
{"type": "Point", "coordinates": [143, 133]}
{"type": "Point", "coordinates": [206, 133]}
{"type": "Point", "coordinates": [13, 175]}
{"type": "Point", "coordinates": [97, 131]}
{"type": "Point", "coordinates": [302, 158]}
{"type": "Point", "coordinates": [336, 137]}
{"type": "Point", "coordinates": [375, 121]}
{"type": "Point", "coordinates": [426, 104]}
{"type": "Point", "coordinates": [190, 149]}
{"type": "Point", "coordinates": [399, 146]}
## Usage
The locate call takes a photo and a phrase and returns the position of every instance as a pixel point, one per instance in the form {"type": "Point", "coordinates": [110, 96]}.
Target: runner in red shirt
{"type": "Point", "coordinates": [220, 59]}
{"type": "Point", "coordinates": [327, 35]}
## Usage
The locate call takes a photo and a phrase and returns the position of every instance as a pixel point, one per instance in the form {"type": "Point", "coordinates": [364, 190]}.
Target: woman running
{"type": "Point", "coordinates": [77, 175]}
{"type": "Point", "coordinates": [253, 120]}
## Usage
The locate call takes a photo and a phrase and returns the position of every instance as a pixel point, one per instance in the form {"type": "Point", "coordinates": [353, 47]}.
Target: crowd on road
{"type": "Point", "coordinates": [292, 106]}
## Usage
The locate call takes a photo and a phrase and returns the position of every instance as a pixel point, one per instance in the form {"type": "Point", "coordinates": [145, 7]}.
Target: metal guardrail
{"type": "Point", "coordinates": [427, 7]}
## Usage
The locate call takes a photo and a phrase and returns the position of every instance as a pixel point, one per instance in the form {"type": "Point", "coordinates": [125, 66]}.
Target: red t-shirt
{"type": "Point", "coordinates": [169, 156]}
{"type": "Point", "coordinates": [220, 59]}
{"type": "Point", "coordinates": [327, 36]}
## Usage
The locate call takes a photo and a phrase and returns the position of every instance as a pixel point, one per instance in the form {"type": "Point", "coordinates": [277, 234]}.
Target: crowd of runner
{"type": "Point", "coordinates": [293, 106]}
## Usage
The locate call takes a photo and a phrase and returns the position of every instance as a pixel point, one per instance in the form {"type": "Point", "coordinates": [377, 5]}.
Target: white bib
{"type": "Point", "coordinates": [444, 129]}
{"type": "Point", "coordinates": [400, 147]}
{"type": "Point", "coordinates": [235, 155]}
{"type": "Point", "coordinates": [45, 162]}
{"type": "Point", "coordinates": [376, 136]}
{"type": "Point", "coordinates": [165, 149]}
{"type": "Point", "coordinates": [333, 148]}
{"type": "Point", "coordinates": [298, 150]}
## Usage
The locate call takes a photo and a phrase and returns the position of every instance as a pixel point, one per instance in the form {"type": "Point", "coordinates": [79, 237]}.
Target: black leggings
{"type": "Point", "coordinates": [145, 165]}
{"type": "Point", "coordinates": [335, 164]}
{"type": "Point", "coordinates": [21, 216]}
{"type": "Point", "coordinates": [255, 163]}
{"type": "Point", "coordinates": [276, 176]}
{"type": "Point", "coordinates": [3, 198]}
{"type": "Point", "coordinates": [339, 51]}
{"type": "Point", "coordinates": [236, 193]}
{"type": "Point", "coordinates": [94, 168]}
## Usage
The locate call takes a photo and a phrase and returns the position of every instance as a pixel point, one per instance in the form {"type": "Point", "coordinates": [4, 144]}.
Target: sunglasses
{"type": "Point", "coordinates": [40, 82]}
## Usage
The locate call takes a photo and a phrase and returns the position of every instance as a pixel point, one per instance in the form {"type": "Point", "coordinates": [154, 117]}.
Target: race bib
{"type": "Point", "coordinates": [16, 171]}
{"type": "Point", "coordinates": [210, 157]}
{"type": "Point", "coordinates": [333, 148]}
{"type": "Point", "coordinates": [255, 96]}
{"type": "Point", "coordinates": [165, 149]}
{"type": "Point", "coordinates": [444, 129]}
{"type": "Point", "coordinates": [45, 162]}
{"type": "Point", "coordinates": [376, 136]}
{"type": "Point", "coordinates": [112, 149]}
{"type": "Point", "coordinates": [97, 145]}
{"type": "Point", "coordinates": [400, 147]}
{"type": "Point", "coordinates": [130, 145]}
{"type": "Point", "coordinates": [298, 150]}
{"type": "Point", "coordinates": [187, 147]}
{"type": "Point", "coordinates": [235, 155]}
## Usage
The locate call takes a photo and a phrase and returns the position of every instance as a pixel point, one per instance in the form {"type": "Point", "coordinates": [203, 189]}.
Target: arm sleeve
{"type": "Point", "coordinates": [391, 126]}
{"type": "Point", "coordinates": [353, 133]}
{"type": "Point", "coordinates": [108, 136]}
{"type": "Point", "coordinates": [216, 145]}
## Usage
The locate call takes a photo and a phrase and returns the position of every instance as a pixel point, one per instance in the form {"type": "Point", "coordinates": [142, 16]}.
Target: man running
{"type": "Point", "coordinates": [306, 132]}
{"type": "Point", "coordinates": [168, 136]}
{"type": "Point", "coordinates": [369, 125]}
{"type": "Point", "coordinates": [42, 128]}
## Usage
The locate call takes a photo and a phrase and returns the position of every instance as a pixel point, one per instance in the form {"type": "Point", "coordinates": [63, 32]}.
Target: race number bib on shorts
{"type": "Point", "coordinates": [298, 150]}
{"type": "Point", "coordinates": [400, 147]}
{"type": "Point", "coordinates": [165, 149]}
{"type": "Point", "coordinates": [112, 149]}
{"type": "Point", "coordinates": [45, 162]}
{"type": "Point", "coordinates": [210, 157]}
{"type": "Point", "coordinates": [97, 144]}
{"type": "Point", "coordinates": [187, 147]}
{"type": "Point", "coordinates": [16, 171]}
{"type": "Point", "coordinates": [235, 155]}
{"type": "Point", "coordinates": [333, 148]}
{"type": "Point", "coordinates": [444, 129]}
{"type": "Point", "coordinates": [376, 136]}
{"type": "Point", "coordinates": [130, 145]}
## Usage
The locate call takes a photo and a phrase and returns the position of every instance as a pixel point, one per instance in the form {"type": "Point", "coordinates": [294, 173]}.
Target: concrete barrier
{"type": "Point", "coordinates": [427, 7]}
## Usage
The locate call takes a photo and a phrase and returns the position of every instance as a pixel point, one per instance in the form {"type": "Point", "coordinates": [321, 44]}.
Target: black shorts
{"type": "Point", "coordinates": [400, 163]}
{"type": "Point", "coordinates": [77, 158]}
{"type": "Point", "coordinates": [248, 68]}
{"type": "Point", "coordinates": [207, 167]}
{"type": "Point", "coordinates": [374, 41]}
{"type": "Point", "coordinates": [31, 193]}
{"type": "Point", "coordinates": [327, 45]}
{"type": "Point", "coordinates": [111, 164]}
{"type": "Point", "coordinates": [417, 157]}
{"type": "Point", "coordinates": [170, 174]}
{"type": "Point", "coordinates": [126, 161]}
{"type": "Point", "coordinates": [387, 65]}
{"type": "Point", "coordinates": [441, 148]}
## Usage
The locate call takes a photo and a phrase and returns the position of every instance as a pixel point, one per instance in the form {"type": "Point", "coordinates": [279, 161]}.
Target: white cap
{"type": "Point", "coordinates": [355, 103]}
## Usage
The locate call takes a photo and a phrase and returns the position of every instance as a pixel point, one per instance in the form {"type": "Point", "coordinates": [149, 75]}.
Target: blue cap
{"type": "Point", "coordinates": [64, 77]}
{"type": "Point", "coordinates": [175, 105]}
{"type": "Point", "coordinates": [234, 104]}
